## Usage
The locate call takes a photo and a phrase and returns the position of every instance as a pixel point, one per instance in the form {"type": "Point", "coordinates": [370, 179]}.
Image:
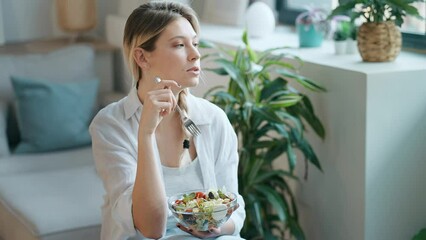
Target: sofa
{"type": "Point", "coordinates": [48, 190]}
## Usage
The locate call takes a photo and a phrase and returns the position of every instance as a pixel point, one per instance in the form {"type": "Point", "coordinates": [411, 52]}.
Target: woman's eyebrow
{"type": "Point", "coordinates": [182, 37]}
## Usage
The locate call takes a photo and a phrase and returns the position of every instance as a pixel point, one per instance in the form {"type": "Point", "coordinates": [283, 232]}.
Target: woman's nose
{"type": "Point", "coordinates": [194, 55]}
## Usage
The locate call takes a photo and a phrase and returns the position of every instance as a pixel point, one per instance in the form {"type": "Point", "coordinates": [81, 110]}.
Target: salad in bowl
{"type": "Point", "coordinates": [202, 210]}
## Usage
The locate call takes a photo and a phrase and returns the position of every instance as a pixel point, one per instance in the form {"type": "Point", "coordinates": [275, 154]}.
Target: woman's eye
{"type": "Point", "coordinates": [180, 45]}
{"type": "Point", "coordinates": [196, 44]}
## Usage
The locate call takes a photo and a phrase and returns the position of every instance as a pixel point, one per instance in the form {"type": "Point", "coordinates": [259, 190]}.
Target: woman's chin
{"type": "Point", "coordinates": [193, 82]}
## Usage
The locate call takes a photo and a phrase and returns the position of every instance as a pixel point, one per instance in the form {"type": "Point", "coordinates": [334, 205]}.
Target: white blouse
{"type": "Point", "coordinates": [114, 140]}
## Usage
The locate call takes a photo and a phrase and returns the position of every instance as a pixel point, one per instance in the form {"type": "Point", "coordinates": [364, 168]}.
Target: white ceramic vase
{"type": "Point", "coordinates": [260, 20]}
{"type": "Point", "coordinates": [340, 47]}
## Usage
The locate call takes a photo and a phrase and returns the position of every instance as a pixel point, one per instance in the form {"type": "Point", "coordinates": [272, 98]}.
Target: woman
{"type": "Point", "coordinates": [138, 141]}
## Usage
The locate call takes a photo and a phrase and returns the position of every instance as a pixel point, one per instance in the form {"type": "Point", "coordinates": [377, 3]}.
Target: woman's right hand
{"type": "Point", "coordinates": [158, 102]}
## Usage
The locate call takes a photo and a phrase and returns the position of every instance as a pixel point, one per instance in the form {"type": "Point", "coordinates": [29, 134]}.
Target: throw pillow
{"type": "Point", "coordinates": [53, 116]}
{"type": "Point", "coordinates": [63, 65]}
{"type": "Point", "coordinates": [4, 147]}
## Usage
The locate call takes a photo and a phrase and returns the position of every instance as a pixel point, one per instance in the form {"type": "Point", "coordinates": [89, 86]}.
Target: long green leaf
{"type": "Point", "coordinates": [274, 199]}
{"type": "Point", "coordinates": [266, 53]}
{"type": "Point", "coordinates": [256, 212]}
{"type": "Point", "coordinates": [264, 176]}
{"type": "Point", "coordinates": [276, 151]}
{"type": "Point", "coordinates": [218, 71]}
{"type": "Point", "coordinates": [280, 128]}
{"type": "Point", "coordinates": [307, 83]}
{"type": "Point", "coordinates": [255, 170]}
{"type": "Point", "coordinates": [268, 116]}
{"type": "Point", "coordinates": [305, 110]}
{"type": "Point", "coordinates": [296, 230]}
{"type": "Point", "coordinates": [251, 53]}
{"type": "Point", "coordinates": [343, 9]}
{"type": "Point", "coordinates": [291, 155]}
{"type": "Point", "coordinates": [283, 64]}
{"type": "Point", "coordinates": [307, 151]}
{"type": "Point", "coordinates": [285, 101]}
{"type": "Point", "coordinates": [294, 121]}
{"type": "Point", "coordinates": [272, 87]}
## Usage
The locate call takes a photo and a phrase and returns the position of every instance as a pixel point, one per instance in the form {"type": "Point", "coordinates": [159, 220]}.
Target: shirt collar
{"type": "Point", "coordinates": [131, 103]}
{"type": "Point", "coordinates": [197, 111]}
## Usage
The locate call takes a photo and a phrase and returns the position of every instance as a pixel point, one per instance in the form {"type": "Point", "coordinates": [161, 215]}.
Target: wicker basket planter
{"type": "Point", "coordinates": [379, 42]}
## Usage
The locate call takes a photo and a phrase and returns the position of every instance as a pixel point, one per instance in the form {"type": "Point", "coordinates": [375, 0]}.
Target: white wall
{"type": "Point", "coordinates": [396, 155]}
{"type": "Point", "coordinates": [332, 203]}
{"type": "Point", "coordinates": [25, 20]}
{"type": "Point", "coordinates": [1, 25]}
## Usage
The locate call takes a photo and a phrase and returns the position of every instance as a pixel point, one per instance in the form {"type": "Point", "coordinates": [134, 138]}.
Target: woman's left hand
{"type": "Point", "coordinates": [213, 232]}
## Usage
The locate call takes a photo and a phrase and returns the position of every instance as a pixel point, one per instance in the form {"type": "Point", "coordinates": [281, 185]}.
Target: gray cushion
{"type": "Point", "coordinates": [45, 162]}
{"type": "Point", "coordinates": [54, 201]}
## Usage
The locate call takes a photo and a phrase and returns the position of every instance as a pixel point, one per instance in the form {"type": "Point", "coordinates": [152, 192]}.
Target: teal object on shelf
{"type": "Point", "coordinates": [311, 27]}
{"type": "Point", "coordinates": [309, 35]}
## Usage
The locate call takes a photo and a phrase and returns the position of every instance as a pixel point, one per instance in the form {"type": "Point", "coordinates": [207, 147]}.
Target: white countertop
{"type": "Point", "coordinates": [324, 55]}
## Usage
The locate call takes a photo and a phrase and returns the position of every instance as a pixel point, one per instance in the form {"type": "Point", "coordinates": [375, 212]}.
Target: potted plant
{"type": "Point", "coordinates": [341, 36]}
{"type": "Point", "coordinates": [311, 27]}
{"type": "Point", "coordinates": [270, 118]}
{"type": "Point", "coordinates": [421, 235]}
{"type": "Point", "coordinates": [379, 38]}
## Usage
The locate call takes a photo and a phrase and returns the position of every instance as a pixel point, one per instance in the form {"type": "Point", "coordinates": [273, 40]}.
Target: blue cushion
{"type": "Point", "coordinates": [53, 116]}
{"type": "Point", "coordinates": [4, 147]}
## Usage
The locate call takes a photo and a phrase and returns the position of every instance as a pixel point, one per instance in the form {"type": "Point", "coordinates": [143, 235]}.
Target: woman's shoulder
{"type": "Point", "coordinates": [206, 112]}
{"type": "Point", "coordinates": [205, 106]}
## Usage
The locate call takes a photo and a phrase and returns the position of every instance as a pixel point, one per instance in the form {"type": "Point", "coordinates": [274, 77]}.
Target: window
{"type": "Point", "coordinates": [413, 29]}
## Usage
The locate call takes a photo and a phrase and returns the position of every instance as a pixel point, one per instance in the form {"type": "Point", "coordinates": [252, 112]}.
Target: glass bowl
{"type": "Point", "coordinates": [202, 210]}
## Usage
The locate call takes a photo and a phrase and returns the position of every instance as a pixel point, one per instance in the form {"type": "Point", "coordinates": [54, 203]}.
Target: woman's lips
{"type": "Point", "coordinates": [193, 69]}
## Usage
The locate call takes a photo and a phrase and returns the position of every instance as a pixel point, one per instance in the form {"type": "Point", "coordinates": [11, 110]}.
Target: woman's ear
{"type": "Point", "coordinates": [139, 55]}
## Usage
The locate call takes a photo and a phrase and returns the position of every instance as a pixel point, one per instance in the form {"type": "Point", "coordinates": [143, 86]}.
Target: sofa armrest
{"type": "Point", "coordinates": [4, 146]}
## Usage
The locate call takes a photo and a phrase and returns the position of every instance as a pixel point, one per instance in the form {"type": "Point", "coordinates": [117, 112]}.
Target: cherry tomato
{"type": "Point", "coordinates": [199, 195]}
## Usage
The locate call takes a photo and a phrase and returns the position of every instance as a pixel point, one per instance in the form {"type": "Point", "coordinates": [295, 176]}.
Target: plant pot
{"type": "Point", "coordinates": [310, 35]}
{"type": "Point", "coordinates": [379, 42]}
{"type": "Point", "coordinates": [311, 27]}
{"type": "Point", "coordinates": [351, 46]}
{"type": "Point", "coordinates": [340, 47]}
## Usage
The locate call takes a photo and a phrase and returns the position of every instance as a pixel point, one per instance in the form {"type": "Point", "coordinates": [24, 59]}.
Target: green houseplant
{"type": "Point", "coordinates": [340, 36]}
{"type": "Point", "coordinates": [270, 117]}
{"type": "Point", "coordinates": [379, 38]}
{"type": "Point", "coordinates": [421, 235]}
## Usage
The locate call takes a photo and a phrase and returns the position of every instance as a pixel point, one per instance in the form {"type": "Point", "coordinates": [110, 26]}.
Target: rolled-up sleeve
{"type": "Point", "coordinates": [116, 166]}
{"type": "Point", "coordinates": [226, 168]}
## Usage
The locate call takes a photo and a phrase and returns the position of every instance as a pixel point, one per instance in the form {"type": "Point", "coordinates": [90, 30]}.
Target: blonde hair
{"type": "Point", "coordinates": [144, 26]}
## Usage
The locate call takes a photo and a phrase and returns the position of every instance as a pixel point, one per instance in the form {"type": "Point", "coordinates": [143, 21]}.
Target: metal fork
{"type": "Point", "coordinates": [188, 123]}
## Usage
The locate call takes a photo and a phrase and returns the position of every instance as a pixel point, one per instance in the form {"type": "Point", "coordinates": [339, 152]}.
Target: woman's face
{"type": "Point", "coordinates": [176, 56]}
